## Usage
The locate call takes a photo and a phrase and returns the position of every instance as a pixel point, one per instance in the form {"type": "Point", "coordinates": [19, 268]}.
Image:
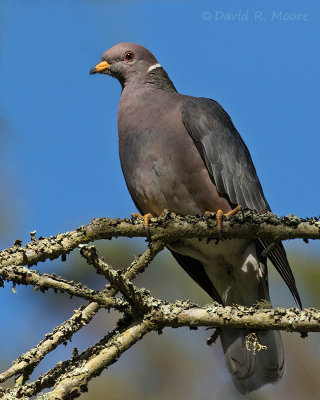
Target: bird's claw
{"type": "Point", "coordinates": [146, 218]}
{"type": "Point", "coordinates": [220, 215]}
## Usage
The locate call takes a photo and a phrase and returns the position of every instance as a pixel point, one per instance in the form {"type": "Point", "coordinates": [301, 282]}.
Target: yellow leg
{"type": "Point", "coordinates": [234, 211]}
{"type": "Point", "coordinates": [146, 218]}
{"type": "Point", "coordinates": [220, 214]}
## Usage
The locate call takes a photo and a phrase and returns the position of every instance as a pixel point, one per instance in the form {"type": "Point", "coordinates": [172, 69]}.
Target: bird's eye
{"type": "Point", "coordinates": [129, 56]}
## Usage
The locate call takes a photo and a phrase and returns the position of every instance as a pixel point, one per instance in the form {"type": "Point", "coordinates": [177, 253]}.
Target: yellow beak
{"type": "Point", "coordinates": [101, 67]}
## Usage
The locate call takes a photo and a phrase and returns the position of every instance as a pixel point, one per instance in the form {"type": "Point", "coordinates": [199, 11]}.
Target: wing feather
{"type": "Point", "coordinates": [231, 169]}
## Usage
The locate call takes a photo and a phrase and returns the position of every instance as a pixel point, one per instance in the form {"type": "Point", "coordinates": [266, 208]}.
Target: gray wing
{"type": "Point", "coordinates": [225, 154]}
{"type": "Point", "coordinates": [231, 169]}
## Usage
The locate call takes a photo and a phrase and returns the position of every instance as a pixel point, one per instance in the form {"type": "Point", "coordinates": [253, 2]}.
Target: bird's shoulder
{"type": "Point", "coordinates": [224, 152]}
{"type": "Point", "coordinates": [203, 110]}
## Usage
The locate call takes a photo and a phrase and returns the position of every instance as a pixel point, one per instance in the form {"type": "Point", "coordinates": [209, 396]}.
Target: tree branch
{"type": "Point", "coordinates": [116, 279]}
{"type": "Point", "coordinates": [26, 363]}
{"type": "Point", "coordinates": [217, 316]}
{"type": "Point", "coordinates": [168, 228]}
{"type": "Point", "coordinates": [72, 384]}
{"type": "Point", "coordinates": [61, 334]}
{"type": "Point", "coordinates": [142, 312]}
{"type": "Point", "coordinates": [71, 377]}
{"type": "Point", "coordinates": [26, 276]}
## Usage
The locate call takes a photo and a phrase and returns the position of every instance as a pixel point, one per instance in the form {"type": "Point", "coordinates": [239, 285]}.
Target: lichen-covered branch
{"type": "Point", "coordinates": [168, 228]}
{"type": "Point", "coordinates": [141, 262]}
{"type": "Point", "coordinates": [26, 363]}
{"type": "Point", "coordinates": [116, 279]}
{"type": "Point", "coordinates": [71, 377]}
{"type": "Point", "coordinates": [217, 316]}
{"type": "Point", "coordinates": [142, 312]}
{"type": "Point", "coordinates": [25, 276]}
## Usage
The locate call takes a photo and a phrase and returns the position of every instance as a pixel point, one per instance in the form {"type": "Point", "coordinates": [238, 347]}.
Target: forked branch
{"type": "Point", "coordinates": [142, 312]}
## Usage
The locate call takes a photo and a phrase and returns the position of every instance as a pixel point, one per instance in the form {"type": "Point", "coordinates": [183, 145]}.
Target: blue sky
{"type": "Point", "coordinates": [60, 164]}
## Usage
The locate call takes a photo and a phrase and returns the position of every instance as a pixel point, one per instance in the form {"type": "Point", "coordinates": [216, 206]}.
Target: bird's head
{"type": "Point", "coordinates": [125, 60]}
{"type": "Point", "coordinates": [132, 62]}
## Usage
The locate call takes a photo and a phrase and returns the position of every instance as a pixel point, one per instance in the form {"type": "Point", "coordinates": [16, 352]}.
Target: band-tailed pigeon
{"type": "Point", "coordinates": [183, 154]}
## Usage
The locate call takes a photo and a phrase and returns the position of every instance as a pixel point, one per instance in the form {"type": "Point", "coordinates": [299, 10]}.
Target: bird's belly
{"type": "Point", "coordinates": [231, 265]}
{"type": "Point", "coordinates": [178, 182]}
{"type": "Point", "coordinates": [159, 187]}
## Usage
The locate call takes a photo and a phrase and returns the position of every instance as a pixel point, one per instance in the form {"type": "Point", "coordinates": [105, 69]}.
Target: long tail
{"type": "Point", "coordinates": [250, 370]}
{"type": "Point", "coordinates": [239, 277]}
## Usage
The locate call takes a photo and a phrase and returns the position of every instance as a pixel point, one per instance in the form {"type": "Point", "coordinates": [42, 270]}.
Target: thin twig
{"type": "Point", "coordinates": [140, 263]}
{"type": "Point", "coordinates": [271, 246]}
{"type": "Point", "coordinates": [116, 278]}
{"type": "Point", "coordinates": [25, 276]}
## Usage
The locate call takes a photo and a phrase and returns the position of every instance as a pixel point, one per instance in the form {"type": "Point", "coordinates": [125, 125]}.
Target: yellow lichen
{"type": "Point", "coordinates": [253, 344]}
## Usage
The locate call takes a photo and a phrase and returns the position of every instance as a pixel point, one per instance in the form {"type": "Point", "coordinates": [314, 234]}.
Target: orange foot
{"type": "Point", "coordinates": [146, 218]}
{"type": "Point", "coordinates": [220, 215]}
